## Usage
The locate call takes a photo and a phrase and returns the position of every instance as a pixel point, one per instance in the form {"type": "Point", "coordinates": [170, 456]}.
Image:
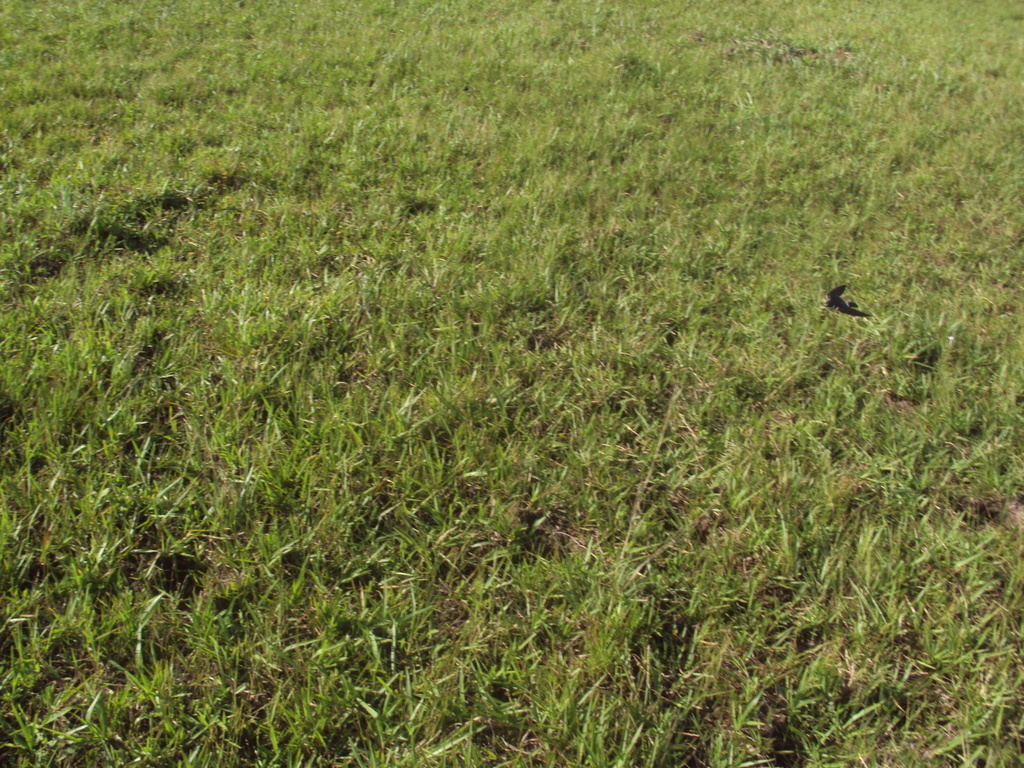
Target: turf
{"type": "Point", "coordinates": [447, 383]}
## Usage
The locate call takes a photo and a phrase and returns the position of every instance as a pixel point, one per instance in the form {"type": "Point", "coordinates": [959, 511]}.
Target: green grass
{"type": "Point", "coordinates": [445, 383]}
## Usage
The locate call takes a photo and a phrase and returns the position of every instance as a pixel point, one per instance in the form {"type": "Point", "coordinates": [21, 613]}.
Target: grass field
{"type": "Point", "coordinates": [447, 383]}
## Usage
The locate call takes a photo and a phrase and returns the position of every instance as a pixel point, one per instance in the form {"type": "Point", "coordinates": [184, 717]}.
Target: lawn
{"type": "Point", "coordinates": [449, 384]}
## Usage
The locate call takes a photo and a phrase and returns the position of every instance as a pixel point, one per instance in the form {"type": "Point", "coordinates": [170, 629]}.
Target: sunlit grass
{"type": "Point", "coordinates": [448, 384]}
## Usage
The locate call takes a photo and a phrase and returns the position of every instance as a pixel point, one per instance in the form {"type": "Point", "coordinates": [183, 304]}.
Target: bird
{"type": "Point", "coordinates": [832, 301]}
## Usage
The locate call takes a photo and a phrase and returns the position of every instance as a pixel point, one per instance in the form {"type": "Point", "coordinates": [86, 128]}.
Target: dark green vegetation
{"type": "Point", "coordinates": [445, 383]}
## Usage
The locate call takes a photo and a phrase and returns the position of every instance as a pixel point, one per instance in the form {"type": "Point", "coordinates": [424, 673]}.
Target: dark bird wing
{"type": "Point", "coordinates": [846, 309]}
{"type": "Point", "coordinates": [835, 293]}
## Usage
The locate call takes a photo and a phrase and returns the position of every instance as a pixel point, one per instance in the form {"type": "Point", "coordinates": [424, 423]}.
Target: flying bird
{"type": "Point", "coordinates": [833, 301]}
